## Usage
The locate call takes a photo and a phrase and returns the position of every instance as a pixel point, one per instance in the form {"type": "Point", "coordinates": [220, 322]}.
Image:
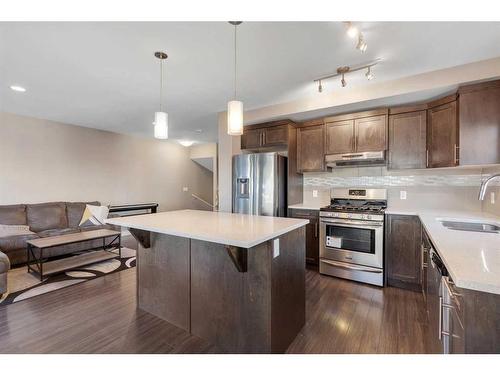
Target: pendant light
{"type": "Point", "coordinates": [161, 118]}
{"type": "Point", "coordinates": [235, 107]}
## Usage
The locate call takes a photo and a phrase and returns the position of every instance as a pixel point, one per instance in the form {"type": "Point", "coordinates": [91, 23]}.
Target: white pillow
{"type": "Point", "coordinates": [95, 215]}
{"type": "Point", "coordinates": [14, 230]}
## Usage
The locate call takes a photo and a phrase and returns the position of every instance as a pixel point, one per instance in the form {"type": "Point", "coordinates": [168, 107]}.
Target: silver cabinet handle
{"type": "Point", "coordinates": [440, 332]}
{"type": "Point", "coordinates": [427, 158]}
{"type": "Point", "coordinates": [316, 227]}
{"type": "Point", "coordinates": [350, 267]}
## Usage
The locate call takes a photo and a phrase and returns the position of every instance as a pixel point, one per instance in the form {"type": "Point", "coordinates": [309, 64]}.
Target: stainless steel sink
{"type": "Point", "coordinates": [471, 226]}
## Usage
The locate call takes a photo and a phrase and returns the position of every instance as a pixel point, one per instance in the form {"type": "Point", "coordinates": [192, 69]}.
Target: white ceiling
{"type": "Point", "coordinates": [104, 75]}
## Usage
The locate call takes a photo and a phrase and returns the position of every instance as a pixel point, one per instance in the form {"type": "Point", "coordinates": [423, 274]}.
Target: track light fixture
{"type": "Point", "coordinates": [351, 30]}
{"type": "Point", "coordinates": [362, 46]}
{"type": "Point", "coordinates": [320, 87]}
{"type": "Point", "coordinates": [344, 70]}
{"type": "Point", "coordinates": [369, 75]}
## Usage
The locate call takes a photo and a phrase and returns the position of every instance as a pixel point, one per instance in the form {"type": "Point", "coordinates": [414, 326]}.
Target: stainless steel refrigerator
{"type": "Point", "coordinates": [259, 184]}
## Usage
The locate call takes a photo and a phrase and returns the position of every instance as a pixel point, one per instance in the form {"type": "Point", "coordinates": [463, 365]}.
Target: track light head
{"type": "Point", "coordinates": [362, 46]}
{"type": "Point", "coordinates": [352, 31]}
{"type": "Point", "coordinates": [320, 87]}
{"type": "Point", "coordinates": [343, 81]}
{"type": "Point", "coordinates": [369, 75]}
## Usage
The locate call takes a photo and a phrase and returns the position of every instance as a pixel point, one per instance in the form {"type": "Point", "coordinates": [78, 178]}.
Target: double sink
{"type": "Point", "coordinates": [470, 226]}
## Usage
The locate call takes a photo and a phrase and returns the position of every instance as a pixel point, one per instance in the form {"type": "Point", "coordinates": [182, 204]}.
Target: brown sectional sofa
{"type": "Point", "coordinates": [46, 220]}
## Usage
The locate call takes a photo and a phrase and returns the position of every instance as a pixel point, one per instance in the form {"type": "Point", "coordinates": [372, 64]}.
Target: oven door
{"type": "Point", "coordinates": [352, 241]}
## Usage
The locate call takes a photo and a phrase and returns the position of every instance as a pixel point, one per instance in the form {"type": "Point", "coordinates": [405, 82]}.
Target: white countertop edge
{"type": "Point", "coordinates": [244, 244]}
{"type": "Point", "coordinates": [301, 206]}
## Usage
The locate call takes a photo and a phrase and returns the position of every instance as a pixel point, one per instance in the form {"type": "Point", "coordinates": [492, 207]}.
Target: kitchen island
{"type": "Point", "coordinates": [237, 281]}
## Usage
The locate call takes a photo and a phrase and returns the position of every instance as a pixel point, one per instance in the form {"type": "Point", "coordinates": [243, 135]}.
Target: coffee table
{"type": "Point", "coordinates": [44, 268]}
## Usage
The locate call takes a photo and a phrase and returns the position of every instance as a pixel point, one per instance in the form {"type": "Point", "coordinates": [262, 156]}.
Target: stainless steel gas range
{"type": "Point", "coordinates": [352, 235]}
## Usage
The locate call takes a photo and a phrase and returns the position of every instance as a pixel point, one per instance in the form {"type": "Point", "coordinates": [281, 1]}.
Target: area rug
{"type": "Point", "coordinates": [23, 285]}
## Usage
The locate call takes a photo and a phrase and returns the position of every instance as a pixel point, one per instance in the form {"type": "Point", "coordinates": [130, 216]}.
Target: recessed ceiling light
{"type": "Point", "coordinates": [17, 88]}
{"type": "Point", "coordinates": [185, 142]}
{"type": "Point", "coordinates": [199, 130]}
{"type": "Point", "coordinates": [352, 30]}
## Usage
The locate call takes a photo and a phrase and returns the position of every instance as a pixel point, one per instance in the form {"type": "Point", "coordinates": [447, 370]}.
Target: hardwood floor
{"type": "Point", "coordinates": [100, 316]}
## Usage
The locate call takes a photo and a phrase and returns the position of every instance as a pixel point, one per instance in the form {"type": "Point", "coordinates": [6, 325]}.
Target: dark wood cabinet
{"type": "Point", "coordinates": [251, 139]}
{"type": "Point", "coordinates": [339, 137]}
{"type": "Point", "coordinates": [312, 233]}
{"type": "Point", "coordinates": [275, 136]}
{"type": "Point", "coordinates": [479, 122]}
{"type": "Point", "coordinates": [356, 132]}
{"type": "Point", "coordinates": [403, 251]}
{"type": "Point", "coordinates": [370, 133]}
{"type": "Point", "coordinates": [442, 133]}
{"type": "Point", "coordinates": [310, 151]}
{"type": "Point", "coordinates": [269, 135]}
{"type": "Point", "coordinates": [407, 138]}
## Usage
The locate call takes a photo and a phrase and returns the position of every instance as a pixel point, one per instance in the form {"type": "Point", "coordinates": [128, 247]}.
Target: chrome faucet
{"type": "Point", "coordinates": [484, 185]}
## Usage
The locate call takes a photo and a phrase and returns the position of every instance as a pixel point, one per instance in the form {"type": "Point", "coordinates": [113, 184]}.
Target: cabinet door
{"type": "Point", "coordinates": [339, 137]}
{"type": "Point", "coordinates": [403, 251]}
{"type": "Point", "coordinates": [425, 247]}
{"type": "Point", "coordinates": [457, 333]}
{"type": "Point", "coordinates": [312, 236]}
{"type": "Point", "coordinates": [442, 136]}
{"type": "Point", "coordinates": [371, 133]}
{"type": "Point", "coordinates": [274, 136]}
{"type": "Point", "coordinates": [251, 139]}
{"type": "Point", "coordinates": [479, 119]}
{"type": "Point", "coordinates": [433, 306]}
{"type": "Point", "coordinates": [310, 152]}
{"type": "Point", "coordinates": [407, 142]}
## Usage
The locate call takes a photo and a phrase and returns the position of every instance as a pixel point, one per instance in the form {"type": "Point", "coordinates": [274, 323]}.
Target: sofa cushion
{"type": "Point", "coordinates": [57, 232]}
{"type": "Point", "coordinates": [14, 230]}
{"type": "Point", "coordinates": [75, 212]}
{"type": "Point", "coordinates": [4, 263]}
{"type": "Point", "coordinates": [15, 242]}
{"type": "Point", "coordinates": [89, 227]}
{"type": "Point", "coordinates": [45, 216]}
{"type": "Point", "coordinates": [13, 215]}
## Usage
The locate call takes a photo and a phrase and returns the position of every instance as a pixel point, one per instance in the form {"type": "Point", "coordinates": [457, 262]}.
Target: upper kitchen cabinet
{"type": "Point", "coordinates": [442, 133]}
{"type": "Point", "coordinates": [407, 137]}
{"type": "Point", "coordinates": [479, 119]}
{"type": "Point", "coordinates": [310, 147]}
{"type": "Point", "coordinates": [339, 137]}
{"type": "Point", "coordinates": [269, 135]}
{"type": "Point", "coordinates": [356, 132]}
{"type": "Point", "coordinates": [371, 133]}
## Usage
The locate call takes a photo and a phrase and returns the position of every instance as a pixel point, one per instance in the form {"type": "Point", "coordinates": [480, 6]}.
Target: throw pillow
{"type": "Point", "coordinates": [94, 215]}
{"type": "Point", "coordinates": [14, 230]}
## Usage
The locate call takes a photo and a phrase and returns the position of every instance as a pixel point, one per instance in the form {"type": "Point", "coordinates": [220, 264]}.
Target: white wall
{"type": "Point", "coordinates": [44, 161]}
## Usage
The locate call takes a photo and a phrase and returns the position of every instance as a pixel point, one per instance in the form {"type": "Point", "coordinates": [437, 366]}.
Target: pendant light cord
{"type": "Point", "coordinates": [235, 57]}
{"type": "Point", "coordinates": [161, 84]}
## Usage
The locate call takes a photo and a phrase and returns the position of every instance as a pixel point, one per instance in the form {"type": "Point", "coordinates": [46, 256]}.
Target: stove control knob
{"type": "Point", "coordinates": [368, 217]}
{"type": "Point", "coordinates": [349, 216]}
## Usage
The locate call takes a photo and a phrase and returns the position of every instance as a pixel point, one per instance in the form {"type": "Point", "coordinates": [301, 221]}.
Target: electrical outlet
{"type": "Point", "coordinates": [315, 194]}
{"type": "Point", "coordinates": [185, 188]}
{"type": "Point", "coordinates": [402, 194]}
{"type": "Point", "coordinates": [492, 197]}
{"type": "Point", "coordinates": [276, 248]}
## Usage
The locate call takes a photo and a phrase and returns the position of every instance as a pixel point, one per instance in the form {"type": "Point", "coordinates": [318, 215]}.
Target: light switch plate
{"type": "Point", "coordinates": [402, 194]}
{"type": "Point", "coordinates": [276, 248]}
{"type": "Point", "coordinates": [315, 194]}
{"type": "Point", "coordinates": [492, 197]}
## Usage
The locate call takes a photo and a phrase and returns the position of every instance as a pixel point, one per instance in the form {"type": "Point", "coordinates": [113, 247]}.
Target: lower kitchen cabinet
{"type": "Point", "coordinates": [403, 258]}
{"type": "Point", "coordinates": [312, 233]}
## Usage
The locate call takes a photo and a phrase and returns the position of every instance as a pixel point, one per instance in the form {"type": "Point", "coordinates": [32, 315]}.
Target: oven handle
{"type": "Point", "coordinates": [353, 224]}
{"type": "Point", "coordinates": [350, 267]}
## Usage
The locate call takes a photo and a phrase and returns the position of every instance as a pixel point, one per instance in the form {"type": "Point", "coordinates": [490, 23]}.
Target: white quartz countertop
{"type": "Point", "coordinates": [219, 227]}
{"type": "Point", "coordinates": [471, 258]}
{"type": "Point", "coordinates": [307, 206]}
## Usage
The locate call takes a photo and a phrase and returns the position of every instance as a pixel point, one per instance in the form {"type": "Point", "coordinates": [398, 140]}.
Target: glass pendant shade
{"type": "Point", "coordinates": [235, 117]}
{"type": "Point", "coordinates": [161, 125]}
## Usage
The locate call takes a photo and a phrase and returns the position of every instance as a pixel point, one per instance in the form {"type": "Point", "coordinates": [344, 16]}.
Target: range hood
{"type": "Point", "coordinates": [356, 159]}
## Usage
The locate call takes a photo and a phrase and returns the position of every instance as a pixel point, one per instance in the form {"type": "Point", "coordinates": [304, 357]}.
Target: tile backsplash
{"type": "Point", "coordinates": [450, 188]}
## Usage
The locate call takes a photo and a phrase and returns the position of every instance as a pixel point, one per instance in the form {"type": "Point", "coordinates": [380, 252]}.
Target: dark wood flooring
{"type": "Point", "coordinates": [100, 316]}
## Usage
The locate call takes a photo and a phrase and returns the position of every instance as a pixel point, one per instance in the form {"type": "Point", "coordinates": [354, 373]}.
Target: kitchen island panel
{"type": "Point", "coordinates": [163, 279]}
